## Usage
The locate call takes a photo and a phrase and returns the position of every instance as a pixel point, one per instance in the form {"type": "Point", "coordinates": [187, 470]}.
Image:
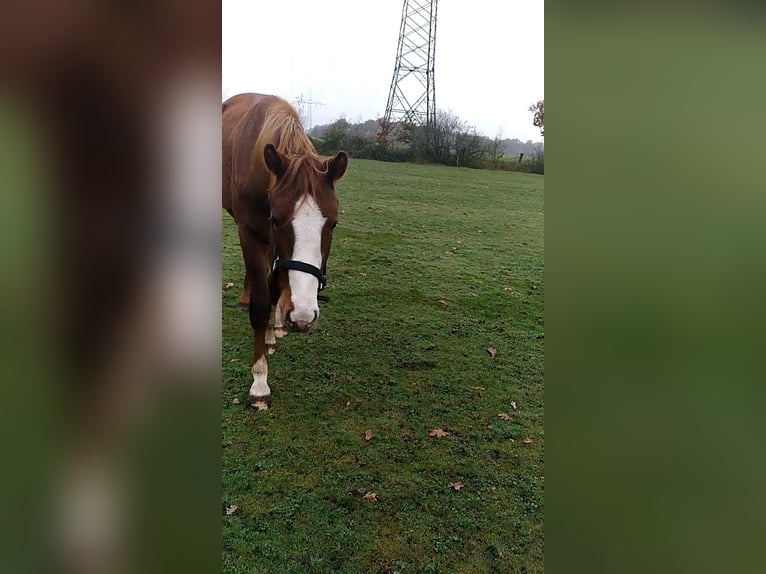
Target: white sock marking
{"type": "Point", "coordinates": [260, 388]}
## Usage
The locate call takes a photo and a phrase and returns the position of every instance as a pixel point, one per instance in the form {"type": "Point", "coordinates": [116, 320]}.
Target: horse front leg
{"type": "Point", "coordinates": [259, 307]}
{"type": "Point", "coordinates": [271, 337]}
{"type": "Point", "coordinates": [260, 393]}
{"type": "Point", "coordinates": [244, 298]}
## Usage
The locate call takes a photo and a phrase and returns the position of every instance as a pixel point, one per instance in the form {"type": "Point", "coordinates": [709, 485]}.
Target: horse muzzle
{"type": "Point", "coordinates": [300, 320]}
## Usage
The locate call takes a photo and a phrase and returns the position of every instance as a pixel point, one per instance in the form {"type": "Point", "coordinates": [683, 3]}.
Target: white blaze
{"type": "Point", "coordinates": [308, 223]}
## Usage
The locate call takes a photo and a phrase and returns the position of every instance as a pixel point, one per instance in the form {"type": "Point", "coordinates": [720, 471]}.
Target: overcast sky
{"type": "Point", "coordinates": [489, 57]}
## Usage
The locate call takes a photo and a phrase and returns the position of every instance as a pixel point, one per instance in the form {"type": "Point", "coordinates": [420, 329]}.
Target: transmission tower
{"type": "Point", "coordinates": [309, 103]}
{"type": "Point", "coordinates": [412, 97]}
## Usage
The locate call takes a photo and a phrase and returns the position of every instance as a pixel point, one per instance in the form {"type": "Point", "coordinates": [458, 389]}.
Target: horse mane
{"type": "Point", "coordinates": [283, 129]}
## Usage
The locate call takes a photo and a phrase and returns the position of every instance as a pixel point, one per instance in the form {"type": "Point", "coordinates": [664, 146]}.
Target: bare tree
{"type": "Point", "coordinates": [469, 147]}
{"type": "Point", "coordinates": [495, 149]}
{"type": "Point", "coordinates": [444, 135]}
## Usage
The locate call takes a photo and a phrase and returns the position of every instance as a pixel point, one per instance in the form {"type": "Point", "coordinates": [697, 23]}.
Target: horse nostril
{"type": "Point", "coordinates": [303, 326]}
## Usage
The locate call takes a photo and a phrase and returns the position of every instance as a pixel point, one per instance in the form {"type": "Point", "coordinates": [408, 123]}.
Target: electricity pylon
{"type": "Point", "coordinates": [309, 104]}
{"type": "Point", "coordinates": [412, 97]}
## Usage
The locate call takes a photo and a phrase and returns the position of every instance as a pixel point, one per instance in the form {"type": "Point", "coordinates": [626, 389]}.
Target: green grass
{"type": "Point", "coordinates": [430, 266]}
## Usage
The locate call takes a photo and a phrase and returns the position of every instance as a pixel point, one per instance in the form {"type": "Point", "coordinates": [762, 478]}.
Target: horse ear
{"type": "Point", "coordinates": [336, 166]}
{"type": "Point", "coordinates": [274, 160]}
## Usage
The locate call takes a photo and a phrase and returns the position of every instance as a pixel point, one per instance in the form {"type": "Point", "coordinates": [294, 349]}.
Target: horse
{"type": "Point", "coordinates": [281, 195]}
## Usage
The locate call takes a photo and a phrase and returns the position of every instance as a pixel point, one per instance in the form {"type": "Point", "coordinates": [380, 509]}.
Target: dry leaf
{"type": "Point", "coordinates": [228, 286]}
{"type": "Point", "coordinates": [456, 485]}
{"type": "Point", "coordinates": [368, 435]}
{"type": "Point", "coordinates": [438, 433]}
{"type": "Point", "coordinates": [527, 440]}
{"type": "Point", "coordinates": [442, 301]}
{"type": "Point", "coordinates": [235, 401]}
{"type": "Point", "coordinates": [348, 403]}
{"type": "Point", "coordinates": [505, 416]}
{"type": "Point", "coordinates": [231, 509]}
{"type": "Point", "coordinates": [371, 497]}
{"type": "Point", "coordinates": [513, 404]}
{"type": "Point", "coordinates": [479, 388]}
{"type": "Point", "coordinates": [492, 352]}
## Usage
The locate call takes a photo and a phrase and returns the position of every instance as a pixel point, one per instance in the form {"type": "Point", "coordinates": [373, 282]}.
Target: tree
{"type": "Point", "coordinates": [538, 119]}
{"type": "Point", "coordinates": [444, 135]}
{"type": "Point", "coordinates": [337, 134]}
{"type": "Point", "coordinates": [495, 148]}
{"type": "Point", "coordinates": [469, 149]}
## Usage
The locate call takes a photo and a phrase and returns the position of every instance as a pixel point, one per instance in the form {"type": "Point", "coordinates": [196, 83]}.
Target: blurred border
{"type": "Point", "coordinates": [110, 168]}
{"type": "Point", "coordinates": [655, 281]}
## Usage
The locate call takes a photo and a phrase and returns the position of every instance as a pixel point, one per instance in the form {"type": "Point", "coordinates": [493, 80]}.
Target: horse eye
{"type": "Point", "coordinates": [275, 222]}
{"type": "Point", "coordinates": [334, 225]}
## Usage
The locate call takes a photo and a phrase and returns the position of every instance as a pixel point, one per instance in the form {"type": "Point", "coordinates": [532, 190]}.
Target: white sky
{"type": "Point", "coordinates": [489, 57]}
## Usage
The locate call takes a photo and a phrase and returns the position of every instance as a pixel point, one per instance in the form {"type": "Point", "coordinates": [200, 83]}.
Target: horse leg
{"type": "Point", "coordinates": [260, 393]}
{"type": "Point", "coordinates": [271, 340]}
{"type": "Point", "coordinates": [279, 327]}
{"type": "Point", "coordinates": [244, 298]}
{"type": "Point", "coordinates": [256, 264]}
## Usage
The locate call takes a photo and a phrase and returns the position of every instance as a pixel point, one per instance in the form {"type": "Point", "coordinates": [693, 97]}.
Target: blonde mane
{"type": "Point", "coordinates": [283, 129]}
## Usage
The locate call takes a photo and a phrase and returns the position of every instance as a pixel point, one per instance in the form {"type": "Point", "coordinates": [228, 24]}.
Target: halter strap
{"type": "Point", "coordinates": [301, 266]}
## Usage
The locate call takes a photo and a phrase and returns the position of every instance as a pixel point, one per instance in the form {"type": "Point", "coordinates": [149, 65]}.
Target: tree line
{"type": "Point", "coordinates": [449, 141]}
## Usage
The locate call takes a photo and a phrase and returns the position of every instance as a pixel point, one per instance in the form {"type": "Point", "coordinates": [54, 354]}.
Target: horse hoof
{"type": "Point", "coordinates": [271, 349]}
{"type": "Point", "coordinates": [280, 332]}
{"type": "Point", "coordinates": [260, 403]}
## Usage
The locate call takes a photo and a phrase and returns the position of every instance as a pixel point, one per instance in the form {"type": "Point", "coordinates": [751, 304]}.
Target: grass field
{"type": "Point", "coordinates": [430, 267]}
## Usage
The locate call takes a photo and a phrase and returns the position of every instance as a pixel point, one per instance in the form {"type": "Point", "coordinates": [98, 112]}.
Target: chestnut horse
{"type": "Point", "coordinates": [281, 195]}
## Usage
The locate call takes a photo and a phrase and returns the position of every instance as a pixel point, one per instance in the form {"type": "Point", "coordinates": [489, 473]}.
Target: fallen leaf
{"type": "Point", "coordinates": [505, 416]}
{"type": "Point", "coordinates": [228, 286]}
{"type": "Point", "coordinates": [442, 301]}
{"type": "Point", "coordinates": [456, 485]}
{"type": "Point", "coordinates": [527, 440]}
{"type": "Point", "coordinates": [348, 403]}
{"type": "Point", "coordinates": [438, 433]}
{"type": "Point", "coordinates": [235, 401]}
{"type": "Point", "coordinates": [513, 404]}
{"type": "Point", "coordinates": [368, 435]}
{"type": "Point", "coordinates": [492, 352]}
{"type": "Point", "coordinates": [231, 509]}
{"type": "Point", "coordinates": [479, 388]}
{"type": "Point", "coordinates": [371, 497]}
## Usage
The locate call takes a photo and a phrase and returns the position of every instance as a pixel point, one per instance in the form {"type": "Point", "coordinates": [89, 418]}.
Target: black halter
{"type": "Point", "coordinates": [300, 266]}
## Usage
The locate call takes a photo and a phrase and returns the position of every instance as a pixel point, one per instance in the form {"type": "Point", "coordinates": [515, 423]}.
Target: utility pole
{"type": "Point", "coordinates": [412, 97]}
